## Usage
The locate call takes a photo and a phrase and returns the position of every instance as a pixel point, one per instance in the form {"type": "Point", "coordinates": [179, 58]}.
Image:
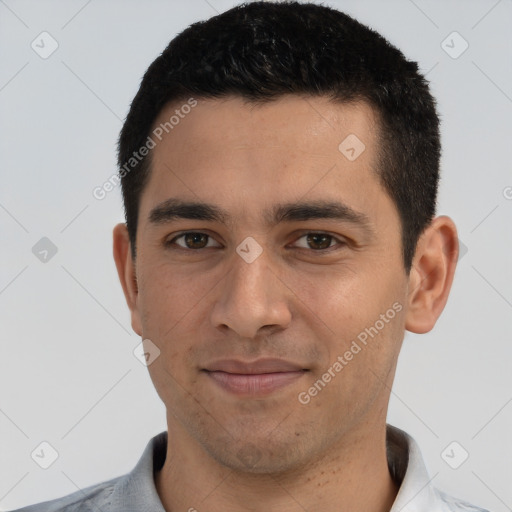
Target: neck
{"type": "Point", "coordinates": [352, 475]}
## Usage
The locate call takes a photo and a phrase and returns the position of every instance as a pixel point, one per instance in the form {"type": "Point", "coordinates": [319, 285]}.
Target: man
{"type": "Point", "coordinates": [279, 167]}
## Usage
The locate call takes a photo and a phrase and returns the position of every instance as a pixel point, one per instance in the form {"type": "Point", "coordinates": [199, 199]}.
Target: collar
{"type": "Point", "coordinates": [408, 470]}
{"type": "Point", "coordinates": [136, 491]}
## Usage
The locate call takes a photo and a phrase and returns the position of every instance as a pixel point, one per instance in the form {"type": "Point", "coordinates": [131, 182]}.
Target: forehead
{"type": "Point", "coordinates": [297, 121]}
{"type": "Point", "coordinates": [237, 152]}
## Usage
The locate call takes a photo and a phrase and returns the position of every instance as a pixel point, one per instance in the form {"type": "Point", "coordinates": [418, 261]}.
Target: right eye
{"type": "Point", "coordinates": [191, 240]}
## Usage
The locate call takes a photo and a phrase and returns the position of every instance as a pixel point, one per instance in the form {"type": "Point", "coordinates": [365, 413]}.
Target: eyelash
{"type": "Point", "coordinates": [172, 245]}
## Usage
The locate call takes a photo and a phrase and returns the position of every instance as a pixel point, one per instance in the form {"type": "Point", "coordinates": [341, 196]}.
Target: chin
{"type": "Point", "coordinates": [260, 457]}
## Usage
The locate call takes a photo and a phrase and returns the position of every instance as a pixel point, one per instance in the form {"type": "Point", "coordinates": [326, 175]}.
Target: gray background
{"type": "Point", "coordinates": [68, 375]}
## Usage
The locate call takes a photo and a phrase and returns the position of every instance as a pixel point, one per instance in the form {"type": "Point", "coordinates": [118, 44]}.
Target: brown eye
{"type": "Point", "coordinates": [191, 240]}
{"type": "Point", "coordinates": [195, 240]}
{"type": "Point", "coordinates": [318, 241]}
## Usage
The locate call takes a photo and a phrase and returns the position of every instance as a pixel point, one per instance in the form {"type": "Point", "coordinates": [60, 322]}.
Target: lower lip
{"type": "Point", "coordinates": [251, 385]}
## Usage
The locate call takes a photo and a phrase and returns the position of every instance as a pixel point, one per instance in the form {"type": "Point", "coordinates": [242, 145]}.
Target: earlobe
{"type": "Point", "coordinates": [432, 274]}
{"type": "Point", "coordinates": [126, 272]}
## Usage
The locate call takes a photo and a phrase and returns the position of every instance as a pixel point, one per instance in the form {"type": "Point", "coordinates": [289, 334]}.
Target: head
{"type": "Point", "coordinates": [263, 51]}
{"type": "Point", "coordinates": [283, 209]}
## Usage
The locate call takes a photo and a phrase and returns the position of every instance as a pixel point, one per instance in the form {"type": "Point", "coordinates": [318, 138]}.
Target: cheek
{"type": "Point", "coordinates": [170, 305]}
{"type": "Point", "coordinates": [170, 296]}
{"type": "Point", "coordinates": [362, 358]}
{"type": "Point", "coordinates": [360, 317]}
{"type": "Point", "coordinates": [163, 304]}
{"type": "Point", "coordinates": [341, 299]}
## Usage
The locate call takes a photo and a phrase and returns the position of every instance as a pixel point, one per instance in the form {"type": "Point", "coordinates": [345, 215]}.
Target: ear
{"type": "Point", "coordinates": [126, 271]}
{"type": "Point", "coordinates": [431, 275]}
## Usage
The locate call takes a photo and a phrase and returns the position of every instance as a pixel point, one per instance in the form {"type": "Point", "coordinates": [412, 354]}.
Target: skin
{"type": "Point", "coordinates": [272, 452]}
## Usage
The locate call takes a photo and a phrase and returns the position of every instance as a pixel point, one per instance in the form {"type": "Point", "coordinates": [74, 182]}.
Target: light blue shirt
{"type": "Point", "coordinates": [136, 491]}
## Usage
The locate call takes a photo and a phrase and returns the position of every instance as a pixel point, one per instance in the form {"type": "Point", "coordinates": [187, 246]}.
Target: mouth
{"type": "Point", "coordinates": [256, 378]}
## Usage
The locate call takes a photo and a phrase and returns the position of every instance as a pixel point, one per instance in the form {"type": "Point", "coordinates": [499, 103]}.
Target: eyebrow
{"type": "Point", "coordinates": [172, 209]}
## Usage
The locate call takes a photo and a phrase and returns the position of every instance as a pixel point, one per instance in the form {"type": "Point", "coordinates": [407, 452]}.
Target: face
{"type": "Point", "coordinates": [277, 301]}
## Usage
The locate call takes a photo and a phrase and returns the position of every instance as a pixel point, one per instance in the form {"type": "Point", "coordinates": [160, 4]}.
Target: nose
{"type": "Point", "coordinates": [252, 297]}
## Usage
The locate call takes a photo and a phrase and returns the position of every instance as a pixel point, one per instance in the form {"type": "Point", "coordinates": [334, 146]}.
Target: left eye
{"type": "Point", "coordinates": [318, 241]}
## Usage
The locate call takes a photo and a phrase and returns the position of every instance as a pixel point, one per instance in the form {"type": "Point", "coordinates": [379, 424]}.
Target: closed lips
{"type": "Point", "coordinates": [256, 378]}
{"type": "Point", "coordinates": [259, 366]}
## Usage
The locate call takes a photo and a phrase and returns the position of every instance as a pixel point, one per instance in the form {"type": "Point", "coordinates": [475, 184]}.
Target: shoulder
{"type": "Point", "coordinates": [134, 490]}
{"type": "Point", "coordinates": [90, 499]}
